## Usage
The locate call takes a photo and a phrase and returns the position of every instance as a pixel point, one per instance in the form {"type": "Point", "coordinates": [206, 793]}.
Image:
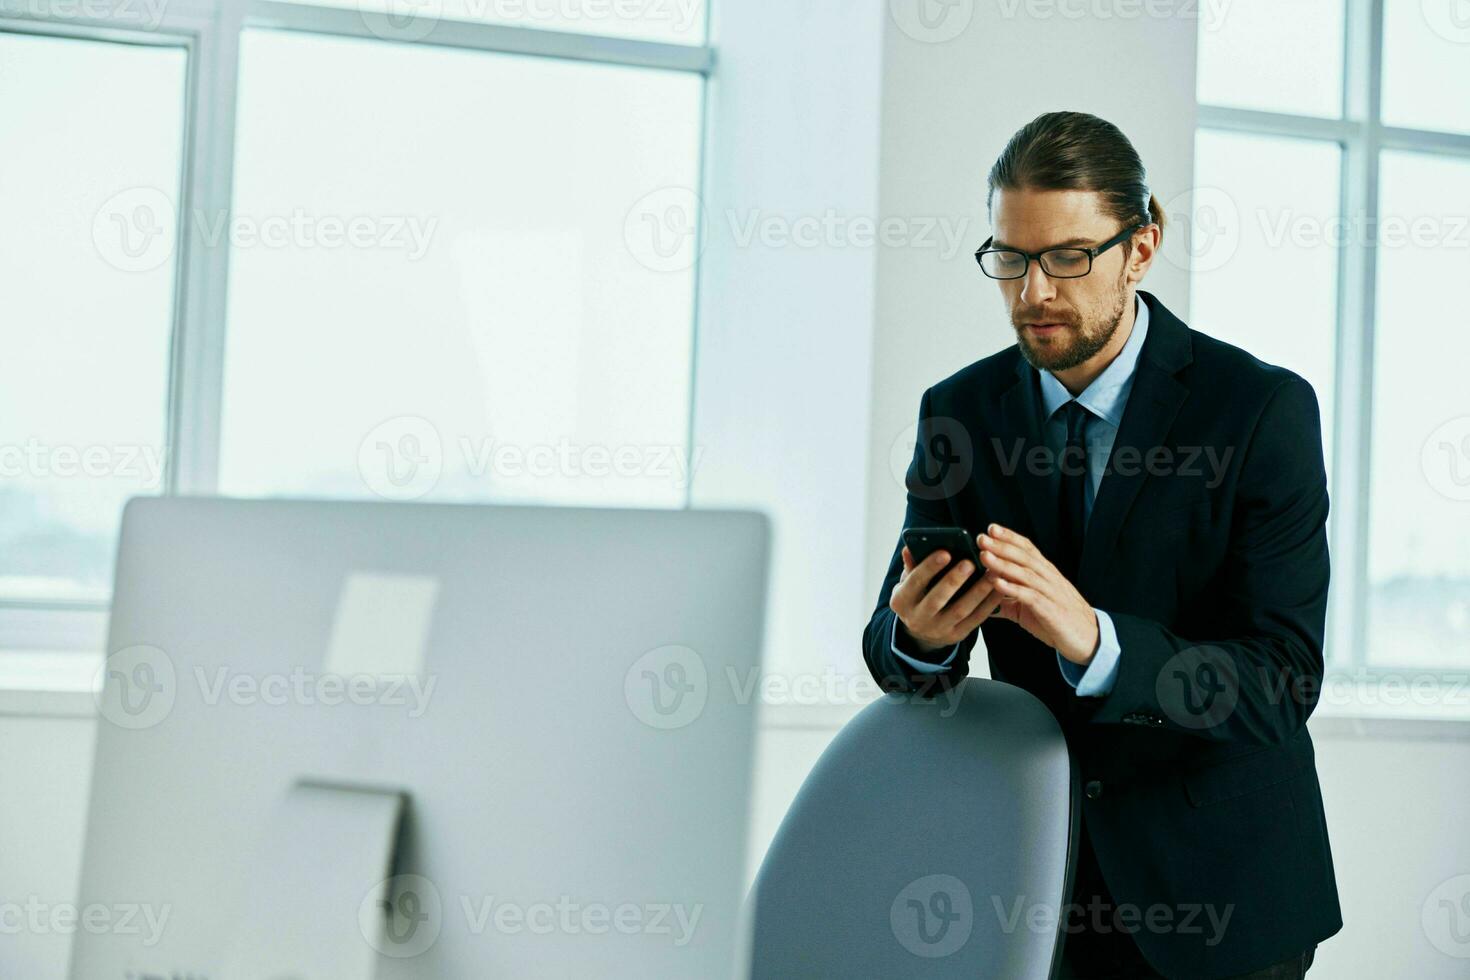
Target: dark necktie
{"type": "Point", "coordinates": [1072, 516]}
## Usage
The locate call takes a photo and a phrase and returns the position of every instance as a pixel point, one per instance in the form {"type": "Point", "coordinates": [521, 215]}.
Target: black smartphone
{"type": "Point", "coordinates": [924, 541]}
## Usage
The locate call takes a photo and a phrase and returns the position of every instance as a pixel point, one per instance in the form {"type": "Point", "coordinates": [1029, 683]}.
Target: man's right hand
{"type": "Point", "coordinates": [931, 624]}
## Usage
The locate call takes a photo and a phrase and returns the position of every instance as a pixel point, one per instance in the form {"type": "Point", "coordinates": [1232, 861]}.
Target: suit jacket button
{"type": "Point", "coordinates": [1093, 789]}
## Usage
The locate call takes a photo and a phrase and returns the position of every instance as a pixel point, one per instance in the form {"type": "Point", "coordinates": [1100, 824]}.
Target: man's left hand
{"type": "Point", "coordinates": [1036, 596]}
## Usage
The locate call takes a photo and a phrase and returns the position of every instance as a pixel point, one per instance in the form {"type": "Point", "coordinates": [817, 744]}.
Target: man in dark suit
{"type": "Point", "coordinates": [1152, 509]}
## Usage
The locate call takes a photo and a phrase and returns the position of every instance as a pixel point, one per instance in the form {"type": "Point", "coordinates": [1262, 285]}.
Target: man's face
{"type": "Point", "coordinates": [1085, 311]}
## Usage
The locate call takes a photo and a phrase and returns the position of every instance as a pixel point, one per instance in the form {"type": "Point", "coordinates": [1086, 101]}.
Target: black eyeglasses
{"type": "Point", "coordinates": [1064, 262]}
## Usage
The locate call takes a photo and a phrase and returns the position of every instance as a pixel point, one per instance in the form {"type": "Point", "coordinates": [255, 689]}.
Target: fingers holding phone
{"type": "Point", "coordinates": [943, 593]}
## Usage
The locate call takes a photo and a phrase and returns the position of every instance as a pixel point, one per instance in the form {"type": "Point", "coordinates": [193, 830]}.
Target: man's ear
{"type": "Point", "coordinates": [1141, 257]}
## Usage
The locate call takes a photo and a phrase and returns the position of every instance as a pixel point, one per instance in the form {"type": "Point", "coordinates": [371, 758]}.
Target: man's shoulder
{"type": "Point", "coordinates": [992, 373]}
{"type": "Point", "coordinates": [1236, 373]}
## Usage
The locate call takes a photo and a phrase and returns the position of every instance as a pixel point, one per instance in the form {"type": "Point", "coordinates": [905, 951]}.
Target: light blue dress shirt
{"type": "Point", "coordinates": [1105, 399]}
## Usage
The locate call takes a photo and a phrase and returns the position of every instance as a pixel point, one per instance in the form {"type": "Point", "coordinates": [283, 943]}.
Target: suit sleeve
{"type": "Point", "coordinates": [913, 659]}
{"type": "Point", "coordinates": [931, 481]}
{"type": "Point", "coordinates": [1256, 680]}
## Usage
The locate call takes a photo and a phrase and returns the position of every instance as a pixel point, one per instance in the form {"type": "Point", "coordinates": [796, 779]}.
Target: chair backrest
{"type": "Point", "coordinates": [933, 838]}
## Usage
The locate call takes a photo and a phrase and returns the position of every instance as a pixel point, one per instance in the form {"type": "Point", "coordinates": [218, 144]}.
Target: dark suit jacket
{"type": "Point", "coordinates": [1201, 787]}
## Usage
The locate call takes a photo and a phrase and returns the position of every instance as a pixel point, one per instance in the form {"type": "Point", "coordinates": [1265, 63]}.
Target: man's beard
{"type": "Point", "coordinates": [1049, 355]}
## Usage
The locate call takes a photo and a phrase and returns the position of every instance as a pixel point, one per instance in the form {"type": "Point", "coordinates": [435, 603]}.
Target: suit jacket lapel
{"type": "Point", "coordinates": [1153, 403]}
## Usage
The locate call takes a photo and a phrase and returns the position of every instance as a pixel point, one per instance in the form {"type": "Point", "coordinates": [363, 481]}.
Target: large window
{"type": "Point", "coordinates": [1330, 234]}
{"type": "Point", "coordinates": [1259, 262]}
{"type": "Point", "coordinates": [1418, 555]}
{"type": "Point", "coordinates": [487, 333]}
{"type": "Point", "coordinates": [1284, 56]}
{"type": "Point", "coordinates": [88, 273]}
{"type": "Point", "coordinates": [401, 249]}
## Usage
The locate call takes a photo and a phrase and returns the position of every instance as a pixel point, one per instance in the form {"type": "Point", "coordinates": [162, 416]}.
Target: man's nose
{"type": "Point", "coordinates": [1038, 287]}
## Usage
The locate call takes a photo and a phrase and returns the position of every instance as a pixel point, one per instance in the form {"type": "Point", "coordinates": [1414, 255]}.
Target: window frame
{"type": "Point", "coordinates": [210, 33]}
{"type": "Point", "coordinates": [1361, 136]}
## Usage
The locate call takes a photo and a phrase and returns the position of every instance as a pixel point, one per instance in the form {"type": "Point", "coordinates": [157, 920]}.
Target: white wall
{"type": "Point", "coordinates": [45, 772]}
{"type": "Point", "coordinates": [1395, 809]}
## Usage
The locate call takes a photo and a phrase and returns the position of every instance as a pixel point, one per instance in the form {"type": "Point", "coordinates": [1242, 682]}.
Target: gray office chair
{"type": "Point", "coordinates": [933, 838]}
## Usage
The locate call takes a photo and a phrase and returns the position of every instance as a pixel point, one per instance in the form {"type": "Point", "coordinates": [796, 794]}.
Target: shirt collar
{"type": "Point", "coordinates": [1106, 396]}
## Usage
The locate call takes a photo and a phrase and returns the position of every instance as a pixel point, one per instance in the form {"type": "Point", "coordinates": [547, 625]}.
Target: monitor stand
{"type": "Point", "coordinates": [316, 902]}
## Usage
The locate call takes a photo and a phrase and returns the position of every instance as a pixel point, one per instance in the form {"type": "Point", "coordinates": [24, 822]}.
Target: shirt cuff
{"type": "Point", "coordinates": [921, 666]}
{"type": "Point", "coordinates": [1096, 679]}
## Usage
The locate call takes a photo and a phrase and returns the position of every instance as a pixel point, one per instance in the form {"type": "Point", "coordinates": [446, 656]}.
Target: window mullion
{"type": "Point", "coordinates": [199, 333]}
{"type": "Point", "coordinates": [1357, 298]}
